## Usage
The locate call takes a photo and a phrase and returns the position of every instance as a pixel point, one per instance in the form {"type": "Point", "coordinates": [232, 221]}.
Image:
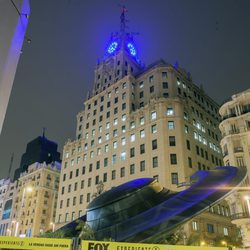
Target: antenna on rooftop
{"type": "Point", "coordinates": [11, 164]}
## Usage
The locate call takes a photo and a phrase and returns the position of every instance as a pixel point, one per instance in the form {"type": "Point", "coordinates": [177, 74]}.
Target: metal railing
{"type": "Point", "coordinates": [240, 216]}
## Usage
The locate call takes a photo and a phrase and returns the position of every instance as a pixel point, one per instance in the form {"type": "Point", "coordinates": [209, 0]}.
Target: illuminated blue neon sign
{"type": "Point", "coordinates": [112, 47]}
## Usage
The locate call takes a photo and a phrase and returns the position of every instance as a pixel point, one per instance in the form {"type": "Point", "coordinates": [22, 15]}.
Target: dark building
{"type": "Point", "coordinates": [38, 150]}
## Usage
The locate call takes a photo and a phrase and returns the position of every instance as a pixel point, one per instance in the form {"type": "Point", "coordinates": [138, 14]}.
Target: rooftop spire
{"type": "Point", "coordinates": [123, 19]}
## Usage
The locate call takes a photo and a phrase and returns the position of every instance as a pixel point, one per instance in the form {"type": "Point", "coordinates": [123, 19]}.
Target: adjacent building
{"type": "Point", "coordinates": [141, 122]}
{"type": "Point", "coordinates": [40, 150]}
{"type": "Point", "coordinates": [235, 128]}
{"type": "Point", "coordinates": [13, 23]}
{"type": "Point", "coordinates": [34, 205]}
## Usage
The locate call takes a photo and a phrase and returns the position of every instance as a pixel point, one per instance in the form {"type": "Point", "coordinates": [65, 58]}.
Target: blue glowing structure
{"type": "Point", "coordinates": [112, 47]}
{"type": "Point", "coordinates": [131, 49]}
{"type": "Point", "coordinates": [142, 209]}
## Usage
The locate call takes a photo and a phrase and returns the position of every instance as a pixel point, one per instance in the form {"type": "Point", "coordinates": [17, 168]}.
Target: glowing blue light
{"type": "Point", "coordinates": [132, 49]}
{"type": "Point", "coordinates": [112, 47]}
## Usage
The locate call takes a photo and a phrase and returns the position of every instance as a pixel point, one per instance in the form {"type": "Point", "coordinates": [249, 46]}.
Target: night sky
{"type": "Point", "coordinates": [210, 39]}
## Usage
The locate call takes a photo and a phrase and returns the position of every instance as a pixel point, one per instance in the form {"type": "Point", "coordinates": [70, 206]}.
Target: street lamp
{"type": "Point", "coordinates": [28, 190]}
{"type": "Point", "coordinates": [224, 243]}
{"type": "Point", "coordinates": [203, 243]}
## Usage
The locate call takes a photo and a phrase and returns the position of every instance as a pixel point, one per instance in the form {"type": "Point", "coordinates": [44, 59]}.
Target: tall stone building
{"type": "Point", "coordinates": [235, 128]}
{"type": "Point", "coordinates": [34, 204]}
{"type": "Point", "coordinates": [141, 122]}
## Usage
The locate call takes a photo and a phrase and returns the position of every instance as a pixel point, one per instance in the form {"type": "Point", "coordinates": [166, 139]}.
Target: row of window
{"type": "Point", "coordinates": [210, 228]}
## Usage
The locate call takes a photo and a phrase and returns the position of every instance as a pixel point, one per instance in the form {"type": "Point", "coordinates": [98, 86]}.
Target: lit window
{"type": "Point", "coordinates": [85, 157]}
{"type": "Point", "coordinates": [132, 125]}
{"type": "Point", "coordinates": [142, 120]}
{"type": "Point", "coordinates": [91, 154]}
{"type": "Point", "coordinates": [123, 118]}
{"type": "Point", "coordinates": [98, 151]}
{"type": "Point", "coordinates": [225, 231]}
{"type": "Point", "coordinates": [109, 94]}
{"type": "Point", "coordinates": [86, 135]}
{"type": "Point", "coordinates": [77, 160]}
{"type": "Point", "coordinates": [151, 79]}
{"type": "Point", "coordinates": [106, 148]}
{"type": "Point", "coordinates": [153, 115]}
{"type": "Point", "coordinates": [72, 162]}
{"type": "Point", "coordinates": [194, 225]}
{"type": "Point", "coordinates": [195, 135]}
{"type": "Point", "coordinates": [204, 141]}
{"type": "Point", "coordinates": [141, 84]}
{"type": "Point", "coordinates": [123, 129]}
{"type": "Point", "coordinates": [142, 133]}
{"type": "Point", "coordinates": [123, 156]}
{"type": "Point", "coordinates": [170, 125]}
{"type": "Point", "coordinates": [153, 129]}
{"type": "Point", "coordinates": [99, 139]}
{"type": "Point", "coordinates": [123, 141]}
{"type": "Point", "coordinates": [132, 137]}
{"type": "Point", "coordinates": [113, 159]}
{"type": "Point", "coordinates": [67, 155]}
{"type": "Point", "coordinates": [115, 133]}
{"type": "Point", "coordinates": [186, 129]}
{"type": "Point", "coordinates": [115, 121]}
{"type": "Point", "coordinates": [124, 85]}
{"type": "Point", "coordinates": [115, 144]}
{"type": "Point", "coordinates": [107, 136]}
{"type": "Point", "coordinates": [107, 125]}
{"type": "Point", "coordinates": [170, 111]}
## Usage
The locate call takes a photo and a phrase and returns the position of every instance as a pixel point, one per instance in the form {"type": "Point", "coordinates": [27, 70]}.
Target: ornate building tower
{"type": "Point", "coordinates": [141, 122]}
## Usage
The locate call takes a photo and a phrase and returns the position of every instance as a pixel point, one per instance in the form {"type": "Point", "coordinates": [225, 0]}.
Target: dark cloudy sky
{"type": "Point", "coordinates": [210, 38]}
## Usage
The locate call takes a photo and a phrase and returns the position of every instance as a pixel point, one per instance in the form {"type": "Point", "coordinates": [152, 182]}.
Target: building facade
{"type": "Point", "coordinates": [235, 128]}
{"type": "Point", "coordinates": [34, 205]}
{"type": "Point", "coordinates": [138, 122]}
{"type": "Point", "coordinates": [13, 26]}
{"type": "Point", "coordinates": [4, 208]}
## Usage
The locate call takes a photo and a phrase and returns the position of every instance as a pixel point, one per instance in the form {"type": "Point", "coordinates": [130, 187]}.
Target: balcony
{"type": "Point", "coordinates": [228, 116]}
{"type": "Point", "coordinates": [238, 149]}
{"type": "Point", "coordinates": [232, 132]}
{"type": "Point", "coordinates": [239, 216]}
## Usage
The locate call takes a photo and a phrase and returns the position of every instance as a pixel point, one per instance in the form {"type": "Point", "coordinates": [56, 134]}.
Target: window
{"type": "Point", "coordinates": [106, 148]}
{"type": "Point", "coordinates": [190, 162]}
{"type": "Point", "coordinates": [105, 177]}
{"type": "Point", "coordinates": [142, 166]}
{"type": "Point", "coordinates": [174, 178]}
{"type": "Point", "coordinates": [123, 106]}
{"type": "Point", "coordinates": [151, 79]}
{"type": "Point", "coordinates": [141, 84]}
{"type": "Point", "coordinates": [164, 75]}
{"type": "Point", "coordinates": [115, 144]}
{"type": "Point", "coordinates": [123, 155]}
{"type": "Point", "coordinates": [210, 228]}
{"type": "Point", "coordinates": [142, 120]}
{"type": "Point", "coordinates": [173, 159]}
{"type": "Point", "coordinates": [172, 141]}
{"type": "Point", "coordinates": [113, 174]}
{"type": "Point", "coordinates": [82, 184]}
{"type": "Point", "coordinates": [142, 133]}
{"type": "Point", "coordinates": [225, 231]}
{"type": "Point", "coordinates": [142, 148]}
{"type": "Point", "coordinates": [105, 162]}
{"type": "Point", "coordinates": [195, 225]}
{"type": "Point", "coordinates": [132, 125]}
{"type": "Point", "coordinates": [132, 152]}
{"type": "Point", "coordinates": [188, 144]}
{"type": "Point", "coordinates": [141, 94]}
{"type": "Point", "coordinates": [170, 111]}
{"type": "Point", "coordinates": [155, 162]}
{"type": "Point", "coordinates": [132, 137]}
{"type": "Point", "coordinates": [74, 201]}
{"type": "Point", "coordinates": [186, 129]}
{"type": "Point", "coordinates": [122, 173]}
{"type": "Point", "coordinates": [197, 150]}
{"type": "Point", "coordinates": [153, 115]}
{"type": "Point", "coordinates": [89, 182]}
{"type": "Point", "coordinates": [113, 159]}
{"type": "Point", "coordinates": [123, 117]}
{"type": "Point", "coordinates": [81, 199]}
{"type": "Point", "coordinates": [115, 133]}
{"type": "Point", "coordinates": [154, 144]}
{"type": "Point", "coordinates": [170, 125]}
{"type": "Point", "coordinates": [123, 141]}
{"type": "Point", "coordinates": [132, 169]}
{"type": "Point", "coordinates": [151, 89]}
{"type": "Point", "coordinates": [97, 164]}
{"type": "Point", "coordinates": [153, 129]}
{"type": "Point", "coordinates": [115, 121]}
{"type": "Point", "coordinates": [165, 85]}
